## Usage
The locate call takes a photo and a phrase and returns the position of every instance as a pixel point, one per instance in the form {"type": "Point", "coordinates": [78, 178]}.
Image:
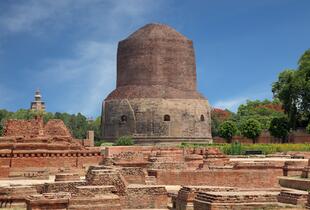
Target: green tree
{"type": "Point", "coordinates": [4, 114]}
{"type": "Point", "coordinates": [262, 111]}
{"type": "Point", "coordinates": [303, 73]}
{"type": "Point", "coordinates": [293, 89]}
{"type": "Point", "coordinates": [48, 116]}
{"type": "Point", "coordinates": [279, 128]}
{"type": "Point", "coordinates": [217, 117]}
{"type": "Point", "coordinates": [227, 130]}
{"type": "Point", "coordinates": [65, 117]}
{"type": "Point", "coordinates": [251, 129]}
{"type": "Point", "coordinates": [308, 128]}
{"type": "Point", "coordinates": [124, 141]}
{"type": "Point", "coordinates": [23, 114]}
{"type": "Point", "coordinates": [95, 126]}
{"type": "Point", "coordinates": [78, 125]}
{"type": "Point", "coordinates": [287, 89]}
{"type": "Point", "coordinates": [215, 123]}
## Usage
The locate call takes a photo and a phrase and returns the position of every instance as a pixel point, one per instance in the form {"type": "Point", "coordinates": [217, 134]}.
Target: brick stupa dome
{"type": "Point", "coordinates": [156, 99]}
{"type": "Point", "coordinates": [156, 31]}
{"type": "Point", "coordinates": [156, 61]}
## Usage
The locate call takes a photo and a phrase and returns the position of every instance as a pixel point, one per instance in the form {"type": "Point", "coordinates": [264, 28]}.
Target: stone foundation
{"type": "Point", "coordinates": [67, 177]}
{"type": "Point", "coordinates": [48, 201]}
{"type": "Point", "coordinates": [293, 197]}
{"type": "Point", "coordinates": [221, 177]}
{"type": "Point", "coordinates": [15, 195]}
{"type": "Point", "coordinates": [244, 200]}
{"type": "Point", "coordinates": [145, 197]}
{"type": "Point", "coordinates": [149, 127]}
{"type": "Point", "coordinates": [186, 195]}
{"type": "Point", "coordinates": [295, 183]}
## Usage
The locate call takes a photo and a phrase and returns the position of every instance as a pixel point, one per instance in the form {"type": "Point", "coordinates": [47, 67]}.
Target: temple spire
{"type": "Point", "coordinates": [37, 104]}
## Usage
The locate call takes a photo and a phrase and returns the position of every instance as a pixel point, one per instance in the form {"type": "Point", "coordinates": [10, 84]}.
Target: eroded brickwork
{"type": "Point", "coordinates": [31, 143]}
{"type": "Point", "coordinates": [156, 98]}
{"type": "Point", "coordinates": [23, 127]}
{"type": "Point", "coordinates": [35, 127]}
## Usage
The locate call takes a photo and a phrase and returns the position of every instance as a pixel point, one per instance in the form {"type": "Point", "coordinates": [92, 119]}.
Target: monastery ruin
{"type": "Point", "coordinates": [42, 167]}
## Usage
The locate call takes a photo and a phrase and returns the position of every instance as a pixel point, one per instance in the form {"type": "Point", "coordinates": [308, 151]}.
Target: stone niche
{"type": "Point", "coordinates": [159, 119]}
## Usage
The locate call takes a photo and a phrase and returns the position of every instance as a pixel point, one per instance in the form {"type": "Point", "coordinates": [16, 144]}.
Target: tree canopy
{"type": "Point", "coordinates": [218, 116]}
{"type": "Point", "coordinates": [293, 90]}
{"type": "Point", "coordinates": [308, 128]}
{"type": "Point", "coordinates": [279, 127]}
{"type": "Point", "coordinates": [262, 111]}
{"type": "Point", "coordinates": [251, 129]}
{"type": "Point", "coordinates": [227, 130]}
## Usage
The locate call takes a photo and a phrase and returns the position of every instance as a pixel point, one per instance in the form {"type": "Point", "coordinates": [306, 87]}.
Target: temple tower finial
{"type": "Point", "coordinates": [37, 104]}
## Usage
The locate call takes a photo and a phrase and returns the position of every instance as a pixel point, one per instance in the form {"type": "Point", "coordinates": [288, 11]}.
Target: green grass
{"type": "Point", "coordinates": [239, 149]}
{"type": "Point", "coordinates": [103, 143]}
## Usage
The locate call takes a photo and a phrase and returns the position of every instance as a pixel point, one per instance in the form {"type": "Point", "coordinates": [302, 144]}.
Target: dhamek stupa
{"type": "Point", "coordinates": [156, 98]}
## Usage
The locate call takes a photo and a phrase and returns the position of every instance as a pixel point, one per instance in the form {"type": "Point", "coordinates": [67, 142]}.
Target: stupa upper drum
{"type": "Point", "coordinates": [156, 99]}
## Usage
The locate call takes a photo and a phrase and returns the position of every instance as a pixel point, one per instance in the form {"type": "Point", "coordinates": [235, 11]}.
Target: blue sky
{"type": "Point", "coordinates": [67, 48]}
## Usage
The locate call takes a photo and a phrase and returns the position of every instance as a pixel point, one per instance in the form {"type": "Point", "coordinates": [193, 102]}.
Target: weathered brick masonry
{"type": "Point", "coordinates": [156, 100]}
{"type": "Point", "coordinates": [33, 144]}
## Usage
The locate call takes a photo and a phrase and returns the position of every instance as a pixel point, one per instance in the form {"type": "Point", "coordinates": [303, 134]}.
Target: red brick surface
{"type": "Point", "coordinates": [230, 178]}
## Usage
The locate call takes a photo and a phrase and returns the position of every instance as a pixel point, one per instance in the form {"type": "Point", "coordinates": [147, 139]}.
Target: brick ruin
{"type": "Point", "coordinates": [42, 167]}
{"type": "Point", "coordinates": [151, 177]}
{"type": "Point", "coordinates": [32, 148]}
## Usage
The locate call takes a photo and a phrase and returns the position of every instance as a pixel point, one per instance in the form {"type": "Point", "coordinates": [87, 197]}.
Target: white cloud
{"type": "Point", "coordinates": [89, 73]}
{"type": "Point", "coordinates": [28, 14]}
{"type": "Point", "coordinates": [231, 104]}
{"type": "Point", "coordinates": [35, 16]}
{"type": "Point", "coordinates": [256, 92]}
{"type": "Point", "coordinates": [93, 70]}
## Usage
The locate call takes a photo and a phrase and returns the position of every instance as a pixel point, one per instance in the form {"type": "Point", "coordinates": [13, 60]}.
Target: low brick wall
{"type": "Point", "coordinates": [133, 175]}
{"type": "Point", "coordinates": [145, 197]}
{"type": "Point", "coordinates": [56, 201]}
{"type": "Point", "coordinates": [295, 183]}
{"type": "Point", "coordinates": [19, 160]}
{"type": "Point", "coordinates": [246, 200]}
{"type": "Point", "coordinates": [231, 178]}
{"type": "Point", "coordinates": [187, 194]}
{"type": "Point", "coordinates": [4, 171]}
{"type": "Point", "coordinates": [146, 150]}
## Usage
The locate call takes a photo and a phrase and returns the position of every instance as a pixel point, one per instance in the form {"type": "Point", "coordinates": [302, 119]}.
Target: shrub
{"type": "Point", "coordinates": [308, 128]}
{"type": "Point", "coordinates": [227, 130]}
{"type": "Point", "coordinates": [251, 129]}
{"type": "Point", "coordinates": [124, 141]}
{"type": "Point", "coordinates": [102, 143]}
{"type": "Point", "coordinates": [235, 148]}
{"type": "Point", "coordinates": [239, 149]}
{"type": "Point", "coordinates": [279, 127]}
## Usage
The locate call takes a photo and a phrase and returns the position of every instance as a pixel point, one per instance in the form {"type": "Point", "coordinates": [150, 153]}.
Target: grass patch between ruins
{"type": "Point", "coordinates": [240, 149]}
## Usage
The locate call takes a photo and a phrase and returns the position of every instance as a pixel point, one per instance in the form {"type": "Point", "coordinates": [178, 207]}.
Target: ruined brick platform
{"type": "Point", "coordinates": [243, 200]}
{"type": "Point", "coordinates": [31, 148]}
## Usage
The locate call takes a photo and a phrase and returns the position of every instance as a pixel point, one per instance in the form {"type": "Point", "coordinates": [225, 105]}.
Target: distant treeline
{"type": "Point", "coordinates": [289, 110]}
{"type": "Point", "coordinates": [77, 123]}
